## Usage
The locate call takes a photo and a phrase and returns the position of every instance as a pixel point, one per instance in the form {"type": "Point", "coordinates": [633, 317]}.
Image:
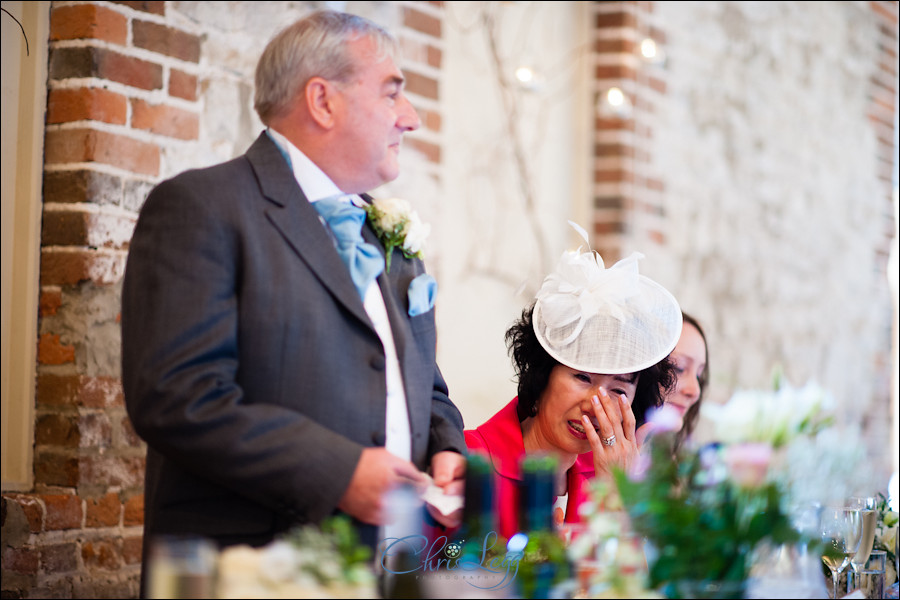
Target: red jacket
{"type": "Point", "coordinates": [500, 440]}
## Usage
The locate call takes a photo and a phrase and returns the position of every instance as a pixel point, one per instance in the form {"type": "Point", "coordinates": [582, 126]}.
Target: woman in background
{"type": "Point", "coordinates": [590, 357]}
{"type": "Point", "coordinates": [691, 360]}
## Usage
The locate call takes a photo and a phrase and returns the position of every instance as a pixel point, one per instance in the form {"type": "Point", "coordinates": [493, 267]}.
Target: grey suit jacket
{"type": "Point", "coordinates": [249, 364]}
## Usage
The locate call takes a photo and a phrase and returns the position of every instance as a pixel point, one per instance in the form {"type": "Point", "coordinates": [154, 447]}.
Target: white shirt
{"type": "Point", "coordinates": [316, 185]}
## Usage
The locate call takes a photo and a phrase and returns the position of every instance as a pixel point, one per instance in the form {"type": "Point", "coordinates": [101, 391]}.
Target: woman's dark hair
{"type": "Point", "coordinates": [692, 416]}
{"type": "Point", "coordinates": [533, 366]}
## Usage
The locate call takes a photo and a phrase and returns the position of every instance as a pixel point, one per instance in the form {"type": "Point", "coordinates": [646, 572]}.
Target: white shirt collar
{"type": "Point", "coordinates": [311, 179]}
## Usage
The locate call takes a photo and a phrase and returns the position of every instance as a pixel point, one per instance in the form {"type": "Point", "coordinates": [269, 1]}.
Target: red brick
{"type": "Point", "coordinates": [64, 267]}
{"type": "Point", "coordinates": [59, 558]}
{"type": "Point", "coordinates": [657, 35]}
{"type": "Point", "coordinates": [89, 145]}
{"type": "Point", "coordinates": [118, 471]}
{"type": "Point", "coordinates": [57, 430]}
{"type": "Point", "coordinates": [609, 202]}
{"type": "Point", "coordinates": [613, 150]}
{"type": "Point", "coordinates": [84, 228]}
{"type": "Point", "coordinates": [64, 228]}
{"type": "Point", "coordinates": [614, 46]}
{"type": "Point", "coordinates": [157, 7]}
{"type": "Point", "coordinates": [86, 104]}
{"type": "Point", "coordinates": [96, 430]}
{"type": "Point", "coordinates": [56, 470]}
{"type": "Point", "coordinates": [611, 175]}
{"type": "Point", "coordinates": [20, 560]}
{"type": "Point", "coordinates": [435, 57]}
{"type": "Point", "coordinates": [419, 21]}
{"type": "Point", "coordinates": [166, 40]}
{"type": "Point", "coordinates": [101, 392]}
{"type": "Point", "coordinates": [614, 72]}
{"type": "Point", "coordinates": [101, 554]}
{"type": "Point", "coordinates": [658, 85]}
{"type": "Point", "coordinates": [129, 436]}
{"type": "Point", "coordinates": [431, 151]}
{"type": "Point", "coordinates": [63, 512]}
{"type": "Point", "coordinates": [134, 511]}
{"type": "Point", "coordinates": [601, 124]}
{"type": "Point", "coordinates": [50, 301]}
{"type": "Point", "coordinates": [57, 390]}
{"type": "Point", "coordinates": [78, 390]}
{"type": "Point", "coordinates": [182, 85]}
{"type": "Point", "coordinates": [82, 185]}
{"type": "Point", "coordinates": [104, 63]}
{"type": "Point", "coordinates": [422, 85]}
{"type": "Point", "coordinates": [105, 511]}
{"type": "Point", "coordinates": [52, 352]}
{"type": "Point", "coordinates": [165, 120]}
{"type": "Point", "coordinates": [34, 511]}
{"type": "Point", "coordinates": [608, 228]}
{"type": "Point", "coordinates": [615, 19]}
{"type": "Point", "coordinates": [88, 21]}
{"type": "Point", "coordinates": [132, 550]}
{"type": "Point", "coordinates": [431, 120]}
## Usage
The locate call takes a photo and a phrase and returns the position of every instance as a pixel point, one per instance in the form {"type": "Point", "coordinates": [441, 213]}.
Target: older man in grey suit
{"type": "Point", "coordinates": [274, 386]}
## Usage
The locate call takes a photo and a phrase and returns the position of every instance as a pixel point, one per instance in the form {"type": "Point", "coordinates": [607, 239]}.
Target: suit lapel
{"type": "Point", "coordinates": [298, 222]}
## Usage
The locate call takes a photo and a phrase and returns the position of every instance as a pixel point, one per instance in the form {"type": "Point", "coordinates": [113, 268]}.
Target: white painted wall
{"type": "Point", "coordinates": [494, 250]}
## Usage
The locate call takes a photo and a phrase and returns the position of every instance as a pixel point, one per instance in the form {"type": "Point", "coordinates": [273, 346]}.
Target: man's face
{"type": "Point", "coordinates": [372, 114]}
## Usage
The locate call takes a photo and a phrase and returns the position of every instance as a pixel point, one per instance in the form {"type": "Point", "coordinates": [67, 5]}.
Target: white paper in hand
{"type": "Point", "coordinates": [447, 504]}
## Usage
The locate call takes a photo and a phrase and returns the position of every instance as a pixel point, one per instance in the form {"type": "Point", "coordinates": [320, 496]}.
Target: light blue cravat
{"type": "Point", "coordinates": [363, 260]}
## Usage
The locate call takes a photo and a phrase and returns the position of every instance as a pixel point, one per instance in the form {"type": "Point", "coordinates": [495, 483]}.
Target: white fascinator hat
{"type": "Point", "coordinates": [609, 321]}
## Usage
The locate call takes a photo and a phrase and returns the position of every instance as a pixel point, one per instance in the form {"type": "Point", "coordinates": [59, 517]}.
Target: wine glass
{"type": "Point", "coordinates": [866, 507]}
{"type": "Point", "coordinates": [840, 532]}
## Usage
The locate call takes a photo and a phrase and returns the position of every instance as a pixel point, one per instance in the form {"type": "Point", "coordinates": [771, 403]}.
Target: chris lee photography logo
{"type": "Point", "coordinates": [482, 563]}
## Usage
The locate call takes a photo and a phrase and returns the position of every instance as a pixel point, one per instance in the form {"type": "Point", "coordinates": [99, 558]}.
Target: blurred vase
{"type": "Point", "coordinates": [786, 571]}
{"type": "Point", "coordinates": [690, 588]}
{"type": "Point", "coordinates": [790, 570]}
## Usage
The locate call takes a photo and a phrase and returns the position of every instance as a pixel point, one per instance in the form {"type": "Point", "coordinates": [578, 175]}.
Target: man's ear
{"type": "Point", "coordinates": [320, 97]}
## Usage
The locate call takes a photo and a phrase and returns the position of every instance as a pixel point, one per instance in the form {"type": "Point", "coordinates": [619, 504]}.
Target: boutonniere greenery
{"type": "Point", "coordinates": [397, 226]}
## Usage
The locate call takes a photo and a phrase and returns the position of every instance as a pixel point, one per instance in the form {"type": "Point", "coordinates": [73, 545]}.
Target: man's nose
{"type": "Point", "coordinates": [407, 117]}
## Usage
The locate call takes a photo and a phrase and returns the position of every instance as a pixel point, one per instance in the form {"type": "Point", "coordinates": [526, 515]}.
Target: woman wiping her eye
{"type": "Point", "coordinates": [590, 357]}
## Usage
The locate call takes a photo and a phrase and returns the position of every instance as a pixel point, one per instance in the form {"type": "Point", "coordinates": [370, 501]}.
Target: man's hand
{"type": "Point", "coordinates": [448, 469]}
{"type": "Point", "coordinates": [377, 473]}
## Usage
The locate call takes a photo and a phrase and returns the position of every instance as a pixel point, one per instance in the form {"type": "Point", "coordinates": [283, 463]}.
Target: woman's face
{"type": "Point", "coordinates": [557, 425]}
{"type": "Point", "coordinates": [689, 358]}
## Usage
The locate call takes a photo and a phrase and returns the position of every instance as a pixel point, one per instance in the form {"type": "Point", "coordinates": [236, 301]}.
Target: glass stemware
{"type": "Point", "coordinates": [840, 531]}
{"type": "Point", "coordinates": [866, 507]}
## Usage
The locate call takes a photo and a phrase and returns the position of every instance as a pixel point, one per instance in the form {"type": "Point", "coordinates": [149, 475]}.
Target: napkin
{"type": "Point", "coordinates": [447, 504]}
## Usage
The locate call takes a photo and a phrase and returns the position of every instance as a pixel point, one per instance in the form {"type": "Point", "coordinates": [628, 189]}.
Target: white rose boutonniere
{"type": "Point", "coordinates": [398, 226]}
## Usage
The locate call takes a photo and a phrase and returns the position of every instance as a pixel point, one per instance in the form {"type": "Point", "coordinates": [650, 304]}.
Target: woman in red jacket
{"type": "Point", "coordinates": [590, 357]}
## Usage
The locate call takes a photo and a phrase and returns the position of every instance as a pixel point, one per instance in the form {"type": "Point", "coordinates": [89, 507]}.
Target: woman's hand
{"type": "Point", "coordinates": [616, 444]}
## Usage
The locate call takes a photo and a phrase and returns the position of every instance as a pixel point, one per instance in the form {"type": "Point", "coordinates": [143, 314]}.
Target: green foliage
{"type": "Point", "coordinates": [703, 525]}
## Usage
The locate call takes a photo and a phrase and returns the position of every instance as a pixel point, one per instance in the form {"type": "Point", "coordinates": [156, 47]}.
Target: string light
{"type": "Point", "coordinates": [614, 103]}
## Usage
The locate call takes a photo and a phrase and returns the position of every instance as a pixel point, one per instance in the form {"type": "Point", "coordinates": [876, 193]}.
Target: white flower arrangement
{"type": "Point", "coordinates": [812, 460]}
{"type": "Point", "coordinates": [776, 417]}
{"type": "Point", "coordinates": [397, 225]}
{"type": "Point", "coordinates": [309, 563]}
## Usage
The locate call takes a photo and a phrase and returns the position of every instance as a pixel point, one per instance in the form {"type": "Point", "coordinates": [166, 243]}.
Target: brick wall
{"type": "Point", "coordinates": [122, 86]}
{"type": "Point", "coordinates": [136, 93]}
{"type": "Point", "coordinates": [627, 198]}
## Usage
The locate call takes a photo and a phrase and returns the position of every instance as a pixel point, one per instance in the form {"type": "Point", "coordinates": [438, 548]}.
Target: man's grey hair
{"type": "Point", "coordinates": [314, 46]}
